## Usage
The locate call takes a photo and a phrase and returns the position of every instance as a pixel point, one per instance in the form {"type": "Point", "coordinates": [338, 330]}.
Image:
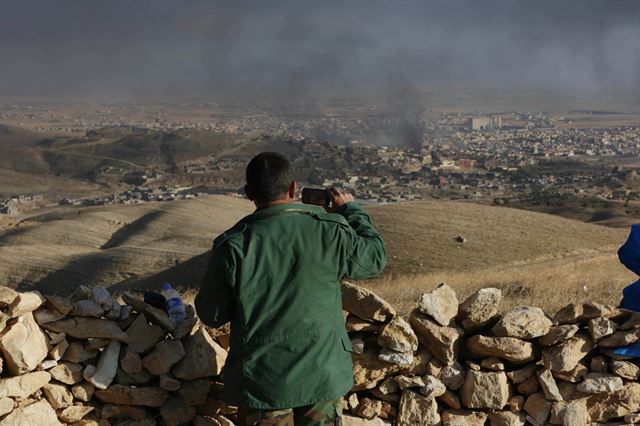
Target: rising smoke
{"type": "Point", "coordinates": [295, 47]}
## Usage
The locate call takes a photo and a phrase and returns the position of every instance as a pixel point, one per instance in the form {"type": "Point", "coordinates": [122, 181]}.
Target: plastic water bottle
{"type": "Point", "coordinates": [173, 305]}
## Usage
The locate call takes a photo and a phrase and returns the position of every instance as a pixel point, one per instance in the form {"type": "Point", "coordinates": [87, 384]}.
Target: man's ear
{"type": "Point", "coordinates": [248, 192]}
{"type": "Point", "coordinates": [293, 186]}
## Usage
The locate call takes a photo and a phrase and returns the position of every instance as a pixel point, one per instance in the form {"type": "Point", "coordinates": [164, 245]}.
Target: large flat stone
{"type": "Point", "coordinates": [87, 328]}
{"type": "Point", "coordinates": [39, 413]}
{"type": "Point", "coordinates": [417, 410]}
{"type": "Point", "coordinates": [442, 341]}
{"type": "Point", "coordinates": [523, 322]}
{"type": "Point", "coordinates": [153, 314]}
{"type": "Point", "coordinates": [59, 396]}
{"type": "Point", "coordinates": [538, 408]}
{"type": "Point", "coordinates": [27, 302]}
{"type": "Point", "coordinates": [608, 406]}
{"type": "Point", "coordinates": [398, 336]}
{"type": "Point", "coordinates": [150, 396]}
{"type": "Point", "coordinates": [485, 390]}
{"type": "Point", "coordinates": [24, 385]}
{"type": "Point", "coordinates": [368, 370]}
{"type": "Point", "coordinates": [143, 337]}
{"type": "Point", "coordinates": [365, 304]}
{"type": "Point", "coordinates": [23, 345]}
{"type": "Point", "coordinates": [480, 309]}
{"type": "Point", "coordinates": [166, 354]}
{"type": "Point", "coordinates": [564, 356]}
{"type": "Point", "coordinates": [441, 304]}
{"type": "Point", "coordinates": [506, 348]}
{"type": "Point", "coordinates": [69, 373]}
{"type": "Point", "coordinates": [203, 357]}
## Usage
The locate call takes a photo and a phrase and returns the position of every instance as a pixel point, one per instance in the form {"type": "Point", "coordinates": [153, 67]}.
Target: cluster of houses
{"type": "Point", "coordinates": [16, 204]}
{"type": "Point", "coordinates": [135, 195]}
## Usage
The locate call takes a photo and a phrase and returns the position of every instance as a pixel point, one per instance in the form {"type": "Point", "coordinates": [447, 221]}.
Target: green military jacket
{"type": "Point", "coordinates": [276, 276]}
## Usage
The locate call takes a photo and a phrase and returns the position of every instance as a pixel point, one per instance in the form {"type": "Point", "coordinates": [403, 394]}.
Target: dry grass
{"type": "Point", "coordinates": [535, 258]}
{"type": "Point", "coordinates": [53, 187]}
{"type": "Point", "coordinates": [420, 236]}
{"type": "Point", "coordinates": [60, 249]}
{"type": "Point", "coordinates": [549, 284]}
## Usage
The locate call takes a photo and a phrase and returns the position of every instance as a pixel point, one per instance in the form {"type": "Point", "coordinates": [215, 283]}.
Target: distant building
{"type": "Point", "coordinates": [466, 163]}
{"type": "Point", "coordinates": [9, 209]}
{"type": "Point", "coordinates": [485, 123]}
{"type": "Point", "coordinates": [447, 164]}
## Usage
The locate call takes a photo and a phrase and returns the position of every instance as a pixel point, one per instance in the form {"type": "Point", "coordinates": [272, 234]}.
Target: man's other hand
{"type": "Point", "coordinates": [338, 198]}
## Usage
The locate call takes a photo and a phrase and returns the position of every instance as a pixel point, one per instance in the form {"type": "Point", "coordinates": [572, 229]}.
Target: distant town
{"type": "Point", "coordinates": [493, 158]}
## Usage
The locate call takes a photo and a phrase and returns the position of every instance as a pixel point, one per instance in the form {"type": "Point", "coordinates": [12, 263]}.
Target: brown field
{"type": "Point", "coordinates": [548, 284]}
{"type": "Point", "coordinates": [536, 259]}
{"type": "Point", "coordinates": [12, 182]}
{"type": "Point", "coordinates": [65, 247]}
{"type": "Point", "coordinates": [598, 121]}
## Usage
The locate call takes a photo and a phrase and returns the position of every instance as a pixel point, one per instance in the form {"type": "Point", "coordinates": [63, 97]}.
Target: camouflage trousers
{"type": "Point", "coordinates": [325, 413]}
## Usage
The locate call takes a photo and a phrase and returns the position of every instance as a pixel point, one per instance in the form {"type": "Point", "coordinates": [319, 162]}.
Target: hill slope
{"type": "Point", "coordinates": [422, 235]}
{"type": "Point", "coordinates": [142, 246]}
{"type": "Point", "coordinates": [57, 251]}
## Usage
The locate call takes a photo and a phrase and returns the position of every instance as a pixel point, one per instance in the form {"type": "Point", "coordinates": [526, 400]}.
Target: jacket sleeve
{"type": "Point", "coordinates": [215, 300]}
{"type": "Point", "coordinates": [366, 254]}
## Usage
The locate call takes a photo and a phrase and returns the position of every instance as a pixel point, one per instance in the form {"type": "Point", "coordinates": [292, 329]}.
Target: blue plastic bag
{"type": "Point", "coordinates": [629, 255]}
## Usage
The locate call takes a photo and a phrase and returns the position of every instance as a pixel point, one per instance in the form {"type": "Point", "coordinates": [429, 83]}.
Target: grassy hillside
{"type": "Point", "coordinates": [59, 250]}
{"type": "Point", "coordinates": [12, 135]}
{"type": "Point", "coordinates": [535, 258]}
{"type": "Point", "coordinates": [12, 182]}
{"type": "Point", "coordinates": [123, 149]}
{"type": "Point", "coordinates": [422, 236]}
{"type": "Point", "coordinates": [145, 147]}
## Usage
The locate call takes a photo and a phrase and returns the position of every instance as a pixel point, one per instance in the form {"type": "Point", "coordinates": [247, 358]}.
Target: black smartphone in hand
{"type": "Point", "coordinates": [316, 196]}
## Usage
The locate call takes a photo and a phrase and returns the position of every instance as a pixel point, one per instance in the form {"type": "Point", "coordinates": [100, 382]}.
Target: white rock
{"type": "Point", "coordinates": [107, 367]}
{"type": "Point", "coordinates": [441, 304]}
{"type": "Point", "coordinates": [393, 357]}
{"type": "Point", "coordinates": [600, 383]}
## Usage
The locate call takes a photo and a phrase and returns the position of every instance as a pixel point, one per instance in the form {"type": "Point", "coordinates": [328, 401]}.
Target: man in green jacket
{"type": "Point", "coordinates": [276, 277]}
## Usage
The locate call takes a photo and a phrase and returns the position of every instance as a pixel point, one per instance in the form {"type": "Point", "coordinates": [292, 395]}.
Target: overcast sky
{"type": "Point", "coordinates": [155, 46]}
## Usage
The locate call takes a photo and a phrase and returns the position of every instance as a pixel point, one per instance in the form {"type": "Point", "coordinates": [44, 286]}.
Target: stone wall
{"type": "Point", "coordinates": [467, 364]}
{"type": "Point", "coordinates": [92, 360]}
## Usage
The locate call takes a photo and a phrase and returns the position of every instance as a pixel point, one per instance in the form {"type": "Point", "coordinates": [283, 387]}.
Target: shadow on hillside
{"type": "Point", "coordinates": [90, 270]}
{"type": "Point", "coordinates": [139, 225]}
{"type": "Point", "coordinates": [184, 276]}
{"type": "Point", "coordinates": [13, 232]}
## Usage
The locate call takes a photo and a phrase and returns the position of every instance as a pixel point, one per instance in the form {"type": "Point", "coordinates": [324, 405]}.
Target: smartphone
{"type": "Point", "coordinates": [317, 196]}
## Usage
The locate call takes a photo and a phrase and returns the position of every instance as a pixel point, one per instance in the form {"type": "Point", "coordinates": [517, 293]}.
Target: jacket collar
{"type": "Point", "coordinates": [283, 209]}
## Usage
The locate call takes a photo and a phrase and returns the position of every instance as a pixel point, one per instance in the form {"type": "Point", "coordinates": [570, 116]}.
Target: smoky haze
{"type": "Point", "coordinates": [170, 47]}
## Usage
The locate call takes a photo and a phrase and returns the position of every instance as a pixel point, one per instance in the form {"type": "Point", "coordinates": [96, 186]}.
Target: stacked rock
{"type": "Point", "coordinates": [474, 366]}
{"type": "Point", "coordinates": [90, 360]}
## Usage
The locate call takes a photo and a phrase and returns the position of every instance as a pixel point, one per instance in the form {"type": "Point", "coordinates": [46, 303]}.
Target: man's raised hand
{"type": "Point", "coordinates": [338, 198]}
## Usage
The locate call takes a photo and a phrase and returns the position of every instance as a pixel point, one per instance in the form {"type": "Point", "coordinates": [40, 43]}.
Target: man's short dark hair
{"type": "Point", "coordinates": [269, 175]}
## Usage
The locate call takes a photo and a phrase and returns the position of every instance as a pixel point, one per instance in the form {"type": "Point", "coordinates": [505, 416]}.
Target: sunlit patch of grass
{"type": "Point", "coordinates": [549, 285]}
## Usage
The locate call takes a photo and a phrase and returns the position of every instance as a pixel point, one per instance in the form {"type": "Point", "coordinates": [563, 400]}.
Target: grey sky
{"type": "Point", "coordinates": [92, 47]}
